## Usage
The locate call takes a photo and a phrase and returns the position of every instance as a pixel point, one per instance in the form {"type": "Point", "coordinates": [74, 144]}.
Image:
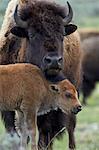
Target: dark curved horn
{"type": "Point", "coordinates": [18, 20]}
{"type": "Point", "coordinates": [69, 17]}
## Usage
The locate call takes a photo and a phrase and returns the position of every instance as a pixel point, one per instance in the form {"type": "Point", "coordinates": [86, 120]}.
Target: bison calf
{"type": "Point", "coordinates": [23, 88]}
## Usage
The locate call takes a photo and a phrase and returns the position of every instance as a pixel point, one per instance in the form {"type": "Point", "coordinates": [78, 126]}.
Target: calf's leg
{"type": "Point", "coordinates": [70, 125]}
{"type": "Point", "coordinates": [23, 130]}
{"type": "Point", "coordinates": [31, 121]}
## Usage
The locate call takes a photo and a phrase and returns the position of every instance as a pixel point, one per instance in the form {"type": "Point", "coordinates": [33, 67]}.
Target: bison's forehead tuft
{"type": "Point", "coordinates": [44, 16]}
{"type": "Point", "coordinates": [44, 7]}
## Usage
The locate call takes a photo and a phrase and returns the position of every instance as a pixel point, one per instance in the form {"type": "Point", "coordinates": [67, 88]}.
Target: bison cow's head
{"type": "Point", "coordinates": [44, 25]}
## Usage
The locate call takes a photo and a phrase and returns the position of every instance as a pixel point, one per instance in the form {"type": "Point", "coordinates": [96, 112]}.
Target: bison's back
{"type": "Point", "coordinates": [21, 82]}
{"type": "Point", "coordinates": [87, 33]}
{"type": "Point", "coordinates": [91, 57]}
{"type": "Point", "coordinates": [21, 73]}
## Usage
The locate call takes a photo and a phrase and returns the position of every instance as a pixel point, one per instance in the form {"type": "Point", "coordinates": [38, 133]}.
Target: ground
{"type": "Point", "coordinates": [87, 130]}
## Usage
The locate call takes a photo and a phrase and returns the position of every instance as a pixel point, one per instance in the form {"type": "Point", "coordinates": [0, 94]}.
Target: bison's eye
{"type": "Point", "coordinates": [68, 95]}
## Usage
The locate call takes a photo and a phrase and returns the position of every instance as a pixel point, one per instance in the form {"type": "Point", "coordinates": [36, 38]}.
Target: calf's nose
{"type": "Point", "coordinates": [76, 109]}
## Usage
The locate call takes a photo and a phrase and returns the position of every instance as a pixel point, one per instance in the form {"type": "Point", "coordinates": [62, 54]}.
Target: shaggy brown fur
{"type": "Point", "coordinates": [14, 50]}
{"type": "Point", "coordinates": [19, 84]}
{"type": "Point", "coordinates": [73, 59]}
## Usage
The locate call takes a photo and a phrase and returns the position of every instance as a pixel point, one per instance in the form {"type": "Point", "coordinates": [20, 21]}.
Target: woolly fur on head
{"type": "Point", "coordinates": [46, 17]}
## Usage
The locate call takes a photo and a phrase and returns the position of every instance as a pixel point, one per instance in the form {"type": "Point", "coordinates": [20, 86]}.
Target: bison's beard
{"type": "Point", "coordinates": [52, 72]}
{"type": "Point", "coordinates": [54, 76]}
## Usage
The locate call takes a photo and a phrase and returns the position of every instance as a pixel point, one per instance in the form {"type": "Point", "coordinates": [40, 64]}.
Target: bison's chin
{"type": "Point", "coordinates": [52, 72]}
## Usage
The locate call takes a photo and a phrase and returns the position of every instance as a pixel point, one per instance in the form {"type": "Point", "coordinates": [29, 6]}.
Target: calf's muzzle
{"type": "Point", "coordinates": [76, 109]}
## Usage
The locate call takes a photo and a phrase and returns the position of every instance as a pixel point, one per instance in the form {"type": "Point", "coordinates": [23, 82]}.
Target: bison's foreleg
{"type": "Point", "coordinates": [45, 130]}
{"type": "Point", "coordinates": [9, 121]}
{"type": "Point", "coordinates": [43, 142]}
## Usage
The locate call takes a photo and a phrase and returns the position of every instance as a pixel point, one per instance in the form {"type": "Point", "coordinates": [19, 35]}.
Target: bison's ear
{"type": "Point", "coordinates": [20, 32]}
{"type": "Point", "coordinates": [70, 28]}
{"type": "Point", "coordinates": [54, 88]}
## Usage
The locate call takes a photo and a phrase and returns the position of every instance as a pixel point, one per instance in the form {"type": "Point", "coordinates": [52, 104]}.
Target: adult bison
{"type": "Point", "coordinates": [90, 63]}
{"type": "Point", "coordinates": [38, 29]}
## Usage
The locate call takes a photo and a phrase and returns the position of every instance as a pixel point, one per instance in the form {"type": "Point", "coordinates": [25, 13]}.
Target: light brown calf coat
{"type": "Point", "coordinates": [23, 88]}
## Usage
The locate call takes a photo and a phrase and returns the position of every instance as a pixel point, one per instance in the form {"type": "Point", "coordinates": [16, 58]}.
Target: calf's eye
{"type": "Point", "coordinates": [68, 95]}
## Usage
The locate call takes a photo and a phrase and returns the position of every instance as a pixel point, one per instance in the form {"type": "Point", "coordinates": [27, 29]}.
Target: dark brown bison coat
{"type": "Point", "coordinates": [12, 50]}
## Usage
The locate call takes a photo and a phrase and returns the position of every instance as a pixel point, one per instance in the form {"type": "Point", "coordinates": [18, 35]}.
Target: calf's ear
{"type": "Point", "coordinates": [70, 28]}
{"type": "Point", "coordinates": [20, 32]}
{"type": "Point", "coordinates": [55, 88]}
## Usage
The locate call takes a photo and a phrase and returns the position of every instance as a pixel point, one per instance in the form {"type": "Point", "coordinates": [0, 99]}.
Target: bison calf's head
{"type": "Point", "coordinates": [67, 99]}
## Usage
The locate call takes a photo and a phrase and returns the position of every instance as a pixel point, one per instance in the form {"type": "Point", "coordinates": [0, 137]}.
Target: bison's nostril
{"type": "Point", "coordinates": [47, 60]}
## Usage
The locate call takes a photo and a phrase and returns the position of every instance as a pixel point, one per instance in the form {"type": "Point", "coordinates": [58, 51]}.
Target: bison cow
{"type": "Point", "coordinates": [90, 63]}
{"type": "Point", "coordinates": [43, 36]}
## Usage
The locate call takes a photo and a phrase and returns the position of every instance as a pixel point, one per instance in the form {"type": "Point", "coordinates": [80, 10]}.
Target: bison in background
{"type": "Point", "coordinates": [43, 36]}
{"type": "Point", "coordinates": [86, 33]}
{"type": "Point", "coordinates": [90, 63]}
